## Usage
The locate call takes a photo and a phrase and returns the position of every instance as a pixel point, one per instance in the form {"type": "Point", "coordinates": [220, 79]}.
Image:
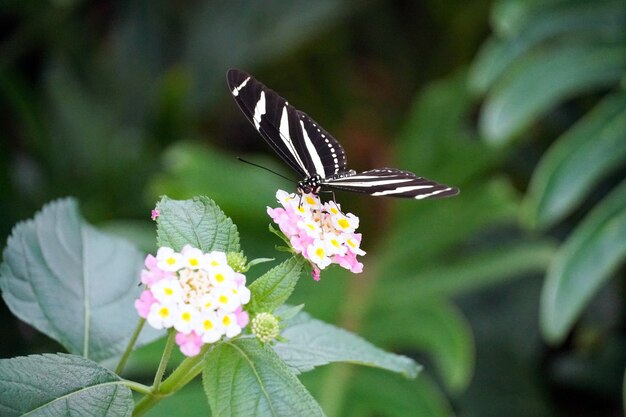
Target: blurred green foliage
{"type": "Point", "coordinates": [119, 103]}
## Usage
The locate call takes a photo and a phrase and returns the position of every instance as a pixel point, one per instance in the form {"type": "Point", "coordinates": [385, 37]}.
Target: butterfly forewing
{"type": "Point", "coordinates": [292, 134]}
{"type": "Point", "coordinates": [391, 182]}
{"type": "Point", "coordinates": [309, 150]}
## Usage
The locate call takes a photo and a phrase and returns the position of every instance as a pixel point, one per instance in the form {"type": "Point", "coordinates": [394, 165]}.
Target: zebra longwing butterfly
{"type": "Point", "coordinates": [313, 153]}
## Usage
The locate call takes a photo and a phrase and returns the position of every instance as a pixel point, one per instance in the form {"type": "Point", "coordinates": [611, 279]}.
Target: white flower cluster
{"type": "Point", "coordinates": [196, 293]}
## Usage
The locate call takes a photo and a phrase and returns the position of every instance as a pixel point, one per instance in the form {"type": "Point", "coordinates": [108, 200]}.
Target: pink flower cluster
{"type": "Point", "coordinates": [319, 231]}
{"type": "Point", "coordinates": [198, 294]}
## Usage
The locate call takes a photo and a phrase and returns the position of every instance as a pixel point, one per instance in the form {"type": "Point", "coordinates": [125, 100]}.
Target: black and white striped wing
{"type": "Point", "coordinates": [391, 182]}
{"type": "Point", "coordinates": [293, 135]}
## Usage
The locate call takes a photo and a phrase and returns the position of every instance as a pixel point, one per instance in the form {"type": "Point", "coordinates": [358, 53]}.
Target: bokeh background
{"type": "Point", "coordinates": [511, 294]}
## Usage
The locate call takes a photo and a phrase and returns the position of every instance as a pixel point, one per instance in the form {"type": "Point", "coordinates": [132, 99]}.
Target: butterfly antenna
{"type": "Point", "coordinates": [267, 169]}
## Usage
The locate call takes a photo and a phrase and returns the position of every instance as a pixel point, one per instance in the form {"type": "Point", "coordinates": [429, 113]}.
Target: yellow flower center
{"type": "Point", "coordinates": [319, 252]}
{"type": "Point", "coordinates": [193, 262]}
{"type": "Point", "coordinates": [343, 223]}
{"type": "Point", "coordinates": [223, 299]}
{"type": "Point", "coordinates": [310, 200]}
{"type": "Point", "coordinates": [208, 325]}
{"type": "Point", "coordinates": [171, 260]}
{"type": "Point", "coordinates": [186, 316]}
{"type": "Point", "coordinates": [219, 277]}
{"type": "Point", "coordinates": [226, 320]}
{"type": "Point", "coordinates": [164, 312]}
{"type": "Point", "coordinates": [168, 291]}
{"type": "Point", "coordinates": [215, 263]}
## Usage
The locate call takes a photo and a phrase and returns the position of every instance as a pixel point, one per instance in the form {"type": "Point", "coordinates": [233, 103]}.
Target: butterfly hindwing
{"type": "Point", "coordinates": [293, 135]}
{"type": "Point", "coordinates": [391, 182]}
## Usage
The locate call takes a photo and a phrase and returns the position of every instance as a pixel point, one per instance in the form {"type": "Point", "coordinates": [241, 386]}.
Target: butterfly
{"type": "Point", "coordinates": [313, 153]}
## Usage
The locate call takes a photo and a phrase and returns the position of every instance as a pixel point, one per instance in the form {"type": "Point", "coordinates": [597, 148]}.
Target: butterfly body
{"type": "Point", "coordinates": [315, 154]}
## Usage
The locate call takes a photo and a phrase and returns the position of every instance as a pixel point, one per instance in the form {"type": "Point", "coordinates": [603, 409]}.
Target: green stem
{"type": "Point", "coordinates": [181, 376]}
{"type": "Point", "coordinates": [136, 386]}
{"type": "Point", "coordinates": [129, 347]}
{"type": "Point", "coordinates": [186, 371]}
{"type": "Point", "coordinates": [167, 352]}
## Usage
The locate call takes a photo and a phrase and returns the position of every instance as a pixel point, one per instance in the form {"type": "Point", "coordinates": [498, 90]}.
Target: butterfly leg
{"type": "Point", "coordinates": [334, 200]}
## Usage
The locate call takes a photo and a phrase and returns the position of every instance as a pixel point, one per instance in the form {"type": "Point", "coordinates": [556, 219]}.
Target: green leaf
{"type": "Point", "coordinates": [584, 20]}
{"type": "Point", "coordinates": [311, 343]}
{"type": "Point", "coordinates": [584, 262]}
{"type": "Point", "coordinates": [198, 222]}
{"type": "Point", "coordinates": [471, 273]}
{"type": "Point", "coordinates": [274, 287]}
{"type": "Point", "coordinates": [73, 282]}
{"type": "Point", "coordinates": [376, 393]}
{"type": "Point", "coordinates": [244, 378]}
{"type": "Point", "coordinates": [544, 78]}
{"type": "Point", "coordinates": [434, 326]}
{"type": "Point", "coordinates": [61, 385]}
{"type": "Point", "coordinates": [286, 312]}
{"type": "Point", "coordinates": [597, 143]}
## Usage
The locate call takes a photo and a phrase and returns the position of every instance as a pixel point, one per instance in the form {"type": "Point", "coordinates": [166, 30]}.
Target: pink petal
{"type": "Point", "coordinates": [150, 262]}
{"type": "Point", "coordinates": [316, 273]}
{"type": "Point", "coordinates": [143, 303]}
{"type": "Point", "coordinates": [189, 344]}
{"type": "Point", "coordinates": [242, 317]}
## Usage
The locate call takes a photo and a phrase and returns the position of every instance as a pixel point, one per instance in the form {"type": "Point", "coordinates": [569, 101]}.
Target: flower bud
{"type": "Point", "coordinates": [237, 261]}
{"type": "Point", "coordinates": [265, 327]}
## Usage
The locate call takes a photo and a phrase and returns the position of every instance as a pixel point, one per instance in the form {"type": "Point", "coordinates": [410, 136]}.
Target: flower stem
{"type": "Point", "coordinates": [181, 376]}
{"type": "Point", "coordinates": [129, 347]}
{"type": "Point", "coordinates": [167, 352]}
{"type": "Point", "coordinates": [136, 386]}
{"type": "Point", "coordinates": [186, 371]}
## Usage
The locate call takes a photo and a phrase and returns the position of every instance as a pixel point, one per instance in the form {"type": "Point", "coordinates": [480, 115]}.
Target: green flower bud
{"type": "Point", "coordinates": [265, 327]}
{"type": "Point", "coordinates": [237, 261]}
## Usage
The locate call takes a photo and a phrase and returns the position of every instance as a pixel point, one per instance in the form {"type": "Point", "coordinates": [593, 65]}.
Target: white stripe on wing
{"type": "Point", "coordinates": [259, 110]}
{"type": "Point", "coordinates": [317, 162]}
{"type": "Point", "coordinates": [284, 135]}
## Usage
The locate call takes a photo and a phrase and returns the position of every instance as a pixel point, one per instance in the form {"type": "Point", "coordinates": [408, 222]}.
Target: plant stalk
{"type": "Point", "coordinates": [129, 347]}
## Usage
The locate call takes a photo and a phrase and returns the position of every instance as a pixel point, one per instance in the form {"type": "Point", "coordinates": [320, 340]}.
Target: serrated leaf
{"type": "Point", "coordinates": [584, 262]}
{"type": "Point", "coordinates": [61, 385]}
{"type": "Point", "coordinates": [597, 143]}
{"type": "Point", "coordinates": [73, 282]}
{"type": "Point", "coordinates": [198, 222]}
{"type": "Point", "coordinates": [274, 287]}
{"type": "Point", "coordinates": [435, 327]}
{"type": "Point", "coordinates": [244, 378]}
{"type": "Point", "coordinates": [311, 343]}
{"type": "Point", "coordinates": [544, 78]}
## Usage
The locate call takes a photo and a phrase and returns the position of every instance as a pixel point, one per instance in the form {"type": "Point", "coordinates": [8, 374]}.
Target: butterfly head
{"type": "Point", "coordinates": [310, 185]}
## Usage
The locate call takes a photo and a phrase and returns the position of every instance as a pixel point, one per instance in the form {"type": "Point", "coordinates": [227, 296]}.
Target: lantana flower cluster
{"type": "Point", "coordinates": [198, 294]}
{"type": "Point", "coordinates": [319, 231]}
